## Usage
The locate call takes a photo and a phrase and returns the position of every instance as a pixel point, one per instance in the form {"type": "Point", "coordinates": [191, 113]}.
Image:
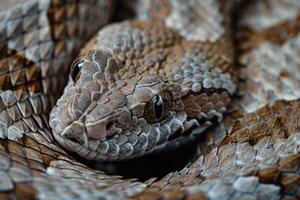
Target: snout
{"type": "Point", "coordinates": [97, 130]}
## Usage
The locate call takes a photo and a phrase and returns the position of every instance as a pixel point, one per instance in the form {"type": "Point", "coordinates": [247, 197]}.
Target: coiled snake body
{"type": "Point", "coordinates": [147, 85]}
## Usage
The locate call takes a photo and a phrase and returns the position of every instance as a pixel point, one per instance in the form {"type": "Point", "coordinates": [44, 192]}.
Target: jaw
{"type": "Point", "coordinates": [176, 131]}
{"type": "Point", "coordinates": [190, 133]}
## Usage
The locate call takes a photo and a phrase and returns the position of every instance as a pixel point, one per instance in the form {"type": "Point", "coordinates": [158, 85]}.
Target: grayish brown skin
{"type": "Point", "coordinates": [260, 152]}
{"type": "Point", "coordinates": [131, 94]}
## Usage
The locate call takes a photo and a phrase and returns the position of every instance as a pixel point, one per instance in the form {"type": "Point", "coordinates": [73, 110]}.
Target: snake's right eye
{"type": "Point", "coordinates": [75, 69]}
{"type": "Point", "coordinates": [158, 108]}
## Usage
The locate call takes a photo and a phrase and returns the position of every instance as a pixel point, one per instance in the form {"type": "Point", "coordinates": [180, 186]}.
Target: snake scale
{"type": "Point", "coordinates": [144, 86]}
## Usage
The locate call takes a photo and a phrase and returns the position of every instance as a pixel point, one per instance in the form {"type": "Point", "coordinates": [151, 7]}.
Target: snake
{"type": "Point", "coordinates": [221, 73]}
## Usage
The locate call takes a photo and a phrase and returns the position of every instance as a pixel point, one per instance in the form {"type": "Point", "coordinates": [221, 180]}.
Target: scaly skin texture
{"type": "Point", "coordinates": [254, 157]}
{"type": "Point", "coordinates": [143, 83]}
{"type": "Point", "coordinates": [271, 53]}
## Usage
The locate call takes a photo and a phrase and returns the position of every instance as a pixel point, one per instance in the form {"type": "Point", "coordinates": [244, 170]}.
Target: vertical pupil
{"type": "Point", "coordinates": [158, 103]}
{"type": "Point", "coordinates": [76, 70]}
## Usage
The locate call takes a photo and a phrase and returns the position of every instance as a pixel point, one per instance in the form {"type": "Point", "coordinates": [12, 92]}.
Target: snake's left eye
{"type": "Point", "coordinates": [75, 69]}
{"type": "Point", "coordinates": [158, 108]}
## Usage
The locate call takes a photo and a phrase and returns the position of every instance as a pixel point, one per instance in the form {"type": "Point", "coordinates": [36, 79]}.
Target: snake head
{"type": "Point", "coordinates": [102, 118]}
{"type": "Point", "coordinates": [144, 90]}
{"type": "Point", "coordinates": [111, 112]}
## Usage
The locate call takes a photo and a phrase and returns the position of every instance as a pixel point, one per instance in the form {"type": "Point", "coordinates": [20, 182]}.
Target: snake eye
{"type": "Point", "coordinates": [75, 69]}
{"type": "Point", "coordinates": [157, 108]}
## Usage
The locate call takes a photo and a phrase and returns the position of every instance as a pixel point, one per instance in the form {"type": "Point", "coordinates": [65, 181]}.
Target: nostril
{"type": "Point", "coordinates": [109, 125]}
{"type": "Point", "coordinates": [101, 128]}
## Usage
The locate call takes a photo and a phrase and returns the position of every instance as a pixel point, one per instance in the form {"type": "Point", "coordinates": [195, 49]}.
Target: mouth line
{"type": "Point", "coordinates": [182, 138]}
{"type": "Point", "coordinates": [172, 144]}
{"type": "Point", "coordinates": [176, 135]}
{"type": "Point", "coordinates": [175, 140]}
